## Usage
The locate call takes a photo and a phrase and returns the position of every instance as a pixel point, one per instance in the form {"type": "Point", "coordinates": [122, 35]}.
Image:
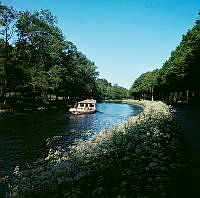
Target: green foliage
{"type": "Point", "coordinates": [7, 27]}
{"type": "Point", "coordinates": [7, 18]}
{"type": "Point", "coordinates": [180, 73]}
{"type": "Point", "coordinates": [198, 19]}
{"type": "Point", "coordinates": [40, 61]}
{"type": "Point", "coordinates": [107, 91]}
{"type": "Point", "coordinates": [145, 84]}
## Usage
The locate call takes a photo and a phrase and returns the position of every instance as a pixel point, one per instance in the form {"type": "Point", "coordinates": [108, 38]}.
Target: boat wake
{"type": "Point", "coordinates": [100, 112]}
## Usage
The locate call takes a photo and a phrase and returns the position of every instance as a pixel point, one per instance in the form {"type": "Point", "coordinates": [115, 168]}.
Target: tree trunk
{"type": "Point", "coordinates": [2, 97]}
{"type": "Point", "coordinates": [4, 86]}
{"type": "Point", "coordinates": [187, 95]}
{"type": "Point", "coordinates": [177, 96]}
{"type": "Point", "coordinates": [173, 97]}
{"type": "Point", "coordinates": [152, 98]}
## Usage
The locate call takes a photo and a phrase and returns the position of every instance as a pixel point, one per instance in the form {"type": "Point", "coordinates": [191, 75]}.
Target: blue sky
{"type": "Point", "coordinates": [124, 38]}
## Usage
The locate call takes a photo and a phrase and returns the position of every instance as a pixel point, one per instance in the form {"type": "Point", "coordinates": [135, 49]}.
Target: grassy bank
{"type": "Point", "coordinates": [30, 104]}
{"type": "Point", "coordinates": [139, 158]}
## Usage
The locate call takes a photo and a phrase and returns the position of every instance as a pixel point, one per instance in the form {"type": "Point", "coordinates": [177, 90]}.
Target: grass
{"type": "Point", "coordinates": [140, 158]}
{"type": "Point", "coordinates": [16, 102]}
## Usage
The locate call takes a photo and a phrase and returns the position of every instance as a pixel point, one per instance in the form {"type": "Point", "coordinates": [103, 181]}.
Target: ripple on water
{"type": "Point", "coordinates": [23, 135]}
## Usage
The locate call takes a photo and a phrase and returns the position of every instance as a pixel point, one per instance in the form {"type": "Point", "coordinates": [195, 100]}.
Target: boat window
{"type": "Point", "coordinates": [81, 104]}
{"type": "Point", "coordinates": [91, 105]}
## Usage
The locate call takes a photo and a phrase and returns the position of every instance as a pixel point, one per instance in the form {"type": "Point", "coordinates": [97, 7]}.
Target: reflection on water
{"type": "Point", "coordinates": [26, 136]}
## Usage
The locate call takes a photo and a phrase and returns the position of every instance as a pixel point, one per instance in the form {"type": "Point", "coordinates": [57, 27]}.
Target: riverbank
{"type": "Point", "coordinates": [128, 101]}
{"type": "Point", "coordinates": [34, 106]}
{"type": "Point", "coordinates": [140, 158]}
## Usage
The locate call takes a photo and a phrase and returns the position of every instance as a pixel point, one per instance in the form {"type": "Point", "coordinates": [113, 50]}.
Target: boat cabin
{"type": "Point", "coordinates": [87, 104]}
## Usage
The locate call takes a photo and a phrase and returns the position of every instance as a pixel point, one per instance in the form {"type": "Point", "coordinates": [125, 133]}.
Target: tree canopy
{"type": "Point", "coordinates": [179, 74]}
{"type": "Point", "coordinates": [37, 62]}
{"type": "Point", "coordinates": [109, 91]}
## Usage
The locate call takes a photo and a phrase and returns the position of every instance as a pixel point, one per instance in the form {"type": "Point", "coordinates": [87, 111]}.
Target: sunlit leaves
{"type": "Point", "coordinates": [179, 73]}
{"type": "Point", "coordinates": [40, 61]}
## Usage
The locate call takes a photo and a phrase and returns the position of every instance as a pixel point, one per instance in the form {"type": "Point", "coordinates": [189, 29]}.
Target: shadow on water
{"type": "Point", "coordinates": [24, 137]}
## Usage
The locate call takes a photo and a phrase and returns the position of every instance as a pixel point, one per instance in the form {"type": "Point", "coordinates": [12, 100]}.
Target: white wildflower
{"type": "Point", "coordinates": [152, 164]}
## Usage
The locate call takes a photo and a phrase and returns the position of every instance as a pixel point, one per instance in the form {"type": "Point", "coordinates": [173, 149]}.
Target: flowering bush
{"type": "Point", "coordinates": [139, 158]}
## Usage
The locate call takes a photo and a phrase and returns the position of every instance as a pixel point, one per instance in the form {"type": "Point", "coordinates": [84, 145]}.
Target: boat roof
{"type": "Point", "coordinates": [88, 101]}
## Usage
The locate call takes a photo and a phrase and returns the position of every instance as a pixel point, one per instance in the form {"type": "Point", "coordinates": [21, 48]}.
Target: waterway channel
{"type": "Point", "coordinates": [24, 137]}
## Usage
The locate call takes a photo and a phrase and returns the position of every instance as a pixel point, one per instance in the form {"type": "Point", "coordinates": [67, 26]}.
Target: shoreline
{"type": "Point", "coordinates": [52, 107]}
{"type": "Point", "coordinates": [141, 145]}
{"type": "Point", "coordinates": [127, 101]}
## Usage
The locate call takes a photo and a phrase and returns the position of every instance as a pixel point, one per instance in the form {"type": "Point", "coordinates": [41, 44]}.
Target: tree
{"type": "Point", "coordinates": [178, 75]}
{"type": "Point", "coordinates": [41, 61]}
{"type": "Point", "coordinates": [198, 19]}
{"type": "Point", "coordinates": [111, 92]}
{"type": "Point", "coordinates": [7, 27]}
{"type": "Point", "coordinates": [145, 84]}
{"type": "Point", "coordinates": [41, 46]}
{"type": "Point", "coordinates": [83, 75]}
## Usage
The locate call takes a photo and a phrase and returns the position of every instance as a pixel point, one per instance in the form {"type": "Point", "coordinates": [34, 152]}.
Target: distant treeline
{"type": "Point", "coordinates": [179, 78]}
{"type": "Point", "coordinates": [109, 91]}
{"type": "Point", "coordinates": [38, 63]}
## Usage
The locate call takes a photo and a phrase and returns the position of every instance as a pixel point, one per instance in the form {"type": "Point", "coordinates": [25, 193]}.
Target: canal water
{"type": "Point", "coordinates": [24, 137]}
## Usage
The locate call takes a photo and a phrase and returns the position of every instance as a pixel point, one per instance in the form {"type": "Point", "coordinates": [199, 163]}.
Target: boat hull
{"type": "Point", "coordinates": [79, 112]}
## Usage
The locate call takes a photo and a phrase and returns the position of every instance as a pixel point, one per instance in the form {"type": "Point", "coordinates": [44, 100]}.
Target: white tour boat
{"type": "Point", "coordinates": [84, 106]}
